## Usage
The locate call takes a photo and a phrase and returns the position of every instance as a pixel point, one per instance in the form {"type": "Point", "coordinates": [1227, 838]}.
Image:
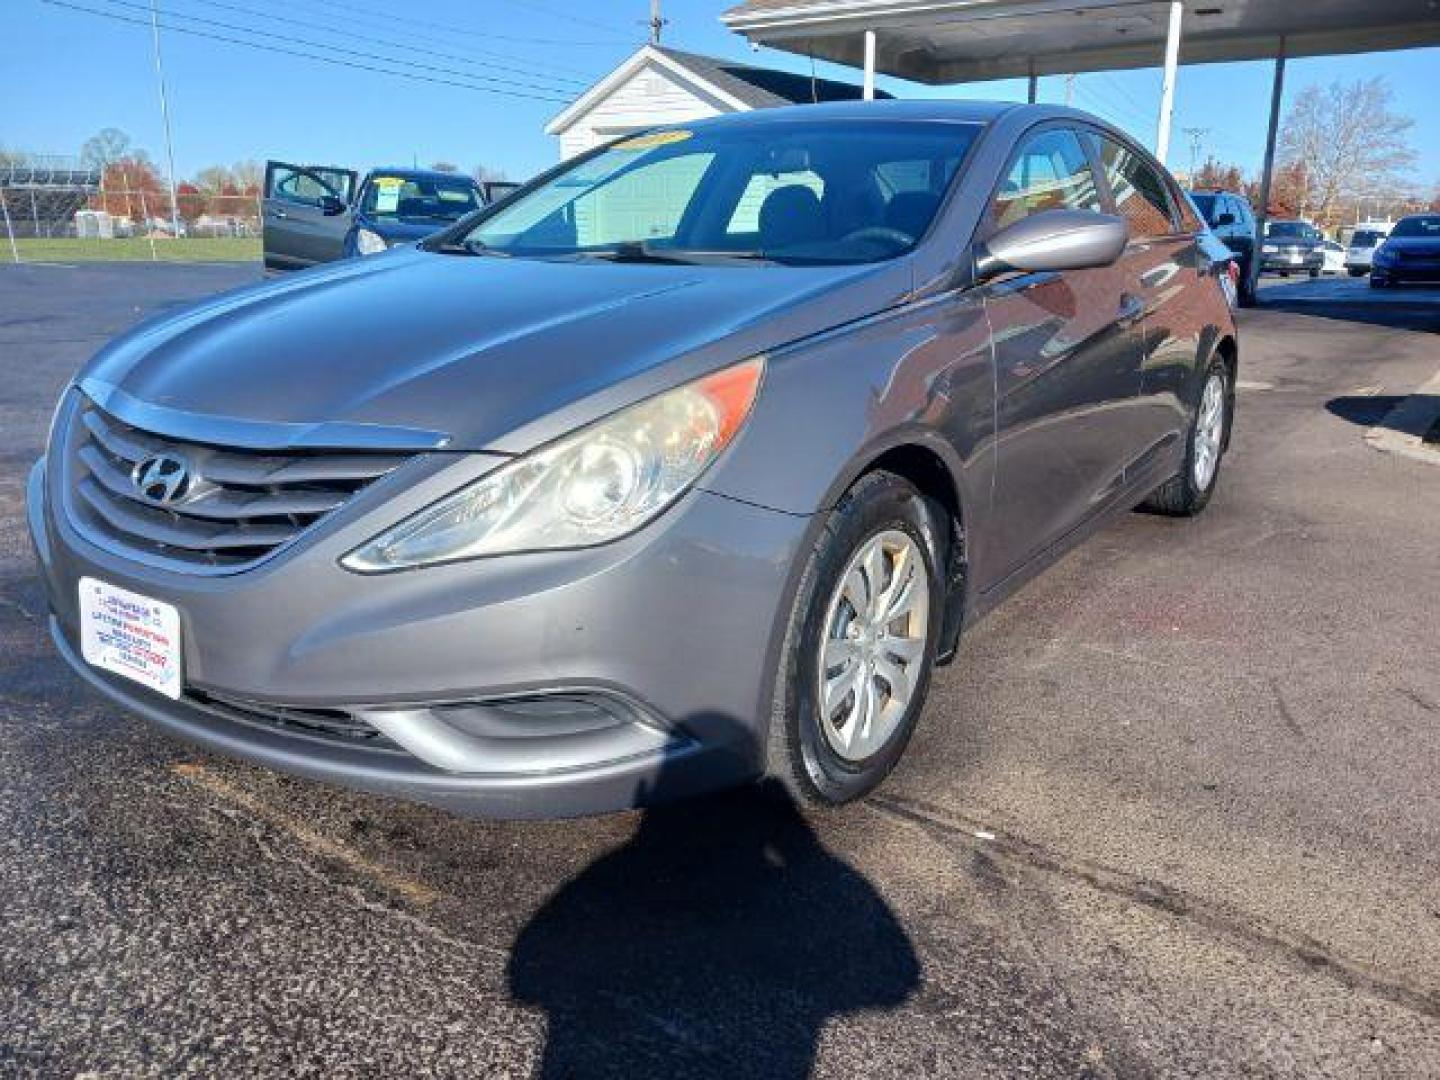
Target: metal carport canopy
{"type": "Point", "coordinates": [950, 41]}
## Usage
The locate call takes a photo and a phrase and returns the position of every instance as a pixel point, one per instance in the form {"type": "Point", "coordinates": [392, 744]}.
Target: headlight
{"type": "Point", "coordinates": [589, 487]}
{"type": "Point", "coordinates": [368, 242]}
{"type": "Point", "coordinates": [1268, 249]}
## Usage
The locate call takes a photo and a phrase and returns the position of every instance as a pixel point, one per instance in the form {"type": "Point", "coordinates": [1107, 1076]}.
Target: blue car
{"type": "Point", "coordinates": [314, 214]}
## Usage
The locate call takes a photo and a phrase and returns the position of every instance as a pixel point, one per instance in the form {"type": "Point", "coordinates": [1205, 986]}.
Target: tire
{"type": "Point", "coordinates": [1378, 283]}
{"type": "Point", "coordinates": [1314, 273]}
{"type": "Point", "coordinates": [1356, 273]}
{"type": "Point", "coordinates": [1284, 273]}
{"type": "Point", "coordinates": [1186, 494]}
{"type": "Point", "coordinates": [804, 745]}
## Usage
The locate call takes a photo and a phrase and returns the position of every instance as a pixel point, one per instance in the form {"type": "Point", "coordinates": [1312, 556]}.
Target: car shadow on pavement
{"type": "Point", "coordinates": [1418, 418]}
{"type": "Point", "coordinates": [716, 942]}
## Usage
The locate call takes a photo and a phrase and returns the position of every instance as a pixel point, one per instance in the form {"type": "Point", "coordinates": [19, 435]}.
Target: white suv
{"type": "Point", "coordinates": [1363, 242]}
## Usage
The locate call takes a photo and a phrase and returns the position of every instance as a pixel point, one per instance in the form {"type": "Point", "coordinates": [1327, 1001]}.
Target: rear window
{"type": "Point", "coordinates": [1367, 238]}
{"type": "Point", "coordinates": [1292, 230]}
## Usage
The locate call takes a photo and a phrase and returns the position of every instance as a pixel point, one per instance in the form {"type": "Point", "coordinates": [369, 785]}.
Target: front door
{"type": "Point", "coordinates": [302, 223]}
{"type": "Point", "coordinates": [1067, 351]}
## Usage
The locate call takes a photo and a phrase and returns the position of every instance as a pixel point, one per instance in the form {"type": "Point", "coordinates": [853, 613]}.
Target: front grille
{"type": "Point", "coordinates": [237, 506]}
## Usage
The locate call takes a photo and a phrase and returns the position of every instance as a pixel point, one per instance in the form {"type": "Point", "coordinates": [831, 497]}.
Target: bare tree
{"type": "Point", "coordinates": [445, 166]}
{"type": "Point", "coordinates": [247, 175]}
{"type": "Point", "coordinates": [484, 173]}
{"type": "Point", "coordinates": [107, 145]}
{"type": "Point", "coordinates": [1348, 141]}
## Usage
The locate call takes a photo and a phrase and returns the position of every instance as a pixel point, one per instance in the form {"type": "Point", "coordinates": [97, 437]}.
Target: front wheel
{"type": "Point", "coordinates": [856, 662]}
{"type": "Point", "coordinates": [1188, 491]}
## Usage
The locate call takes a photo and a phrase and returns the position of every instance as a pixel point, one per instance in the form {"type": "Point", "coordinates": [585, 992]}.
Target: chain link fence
{"type": "Point", "coordinates": [53, 209]}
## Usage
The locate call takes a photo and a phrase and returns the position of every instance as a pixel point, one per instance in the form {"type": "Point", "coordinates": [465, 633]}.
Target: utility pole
{"type": "Point", "coordinates": [1069, 89]}
{"type": "Point", "coordinates": [165, 118]}
{"type": "Point", "coordinates": [657, 22]}
{"type": "Point", "coordinates": [1197, 140]}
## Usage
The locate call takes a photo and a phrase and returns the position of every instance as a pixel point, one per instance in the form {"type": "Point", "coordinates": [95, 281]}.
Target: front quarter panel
{"type": "Point", "coordinates": [918, 375]}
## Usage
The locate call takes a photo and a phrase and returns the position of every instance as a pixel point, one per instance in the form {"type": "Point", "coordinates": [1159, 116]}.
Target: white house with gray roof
{"type": "Point", "coordinates": [660, 85]}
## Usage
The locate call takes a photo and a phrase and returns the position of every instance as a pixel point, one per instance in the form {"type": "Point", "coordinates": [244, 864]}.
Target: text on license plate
{"type": "Point", "coordinates": [130, 635]}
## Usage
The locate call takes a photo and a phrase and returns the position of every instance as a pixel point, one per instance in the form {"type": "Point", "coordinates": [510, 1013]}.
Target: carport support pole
{"type": "Point", "coordinates": [1277, 91]}
{"type": "Point", "coordinates": [9, 231]}
{"type": "Point", "coordinates": [1167, 88]}
{"type": "Point", "coordinates": [869, 91]}
{"type": "Point", "coordinates": [1032, 94]}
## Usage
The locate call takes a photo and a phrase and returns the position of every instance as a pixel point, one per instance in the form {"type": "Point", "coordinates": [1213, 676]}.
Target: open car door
{"type": "Point", "coordinates": [306, 214]}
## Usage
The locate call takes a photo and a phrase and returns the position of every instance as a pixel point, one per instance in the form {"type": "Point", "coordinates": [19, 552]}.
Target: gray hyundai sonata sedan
{"type": "Point", "coordinates": [693, 458]}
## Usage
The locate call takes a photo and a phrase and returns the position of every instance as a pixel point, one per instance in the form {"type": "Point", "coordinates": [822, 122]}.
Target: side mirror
{"type": "Point", "coordinates": [1053, 240]}
{"type": "Point", "coordinates": [331, 205]}
{"type": "Point", "coordinates": [1225, 219]}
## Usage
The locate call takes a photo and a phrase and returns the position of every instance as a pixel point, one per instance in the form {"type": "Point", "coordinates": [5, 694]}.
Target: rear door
{"type": "Point", "coordinates": [1067, 352]}
{"type": "Point", "coordinates": [297, 227]}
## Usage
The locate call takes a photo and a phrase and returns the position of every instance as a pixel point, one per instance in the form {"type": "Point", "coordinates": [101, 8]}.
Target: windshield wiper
{"type": "Point", "coordinates": [468, 247]}
{"type": "Point", "coordinates": [640, 251]}
{"type": "Point", "coordinates": [632, 251]}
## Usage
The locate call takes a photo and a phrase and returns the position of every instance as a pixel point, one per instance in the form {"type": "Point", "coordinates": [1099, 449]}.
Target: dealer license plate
{"type": "Point", "coordinates": [130, 635]}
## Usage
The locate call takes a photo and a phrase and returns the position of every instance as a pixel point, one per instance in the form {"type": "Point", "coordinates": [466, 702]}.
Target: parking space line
{"type": "Point", "coordinates": [410, 889]}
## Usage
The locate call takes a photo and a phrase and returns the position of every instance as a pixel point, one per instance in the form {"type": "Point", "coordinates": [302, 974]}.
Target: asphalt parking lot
{"type": "Point", "coordinates": [1174, 812]}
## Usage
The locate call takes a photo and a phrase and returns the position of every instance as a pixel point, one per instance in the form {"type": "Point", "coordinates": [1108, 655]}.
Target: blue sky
{"type": "Point", "coordinates": [77, 72]}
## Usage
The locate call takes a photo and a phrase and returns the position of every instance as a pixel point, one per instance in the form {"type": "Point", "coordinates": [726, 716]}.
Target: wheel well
{"type": "Point", "coordinates": [928, 472]}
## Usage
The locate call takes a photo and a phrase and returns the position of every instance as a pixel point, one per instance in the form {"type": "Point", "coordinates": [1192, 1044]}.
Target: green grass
{"type": "Point", "coordinates": [198, 249]}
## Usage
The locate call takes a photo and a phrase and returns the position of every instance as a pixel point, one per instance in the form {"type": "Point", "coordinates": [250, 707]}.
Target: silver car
{"type": "Point", "coordinates": [685, 464]}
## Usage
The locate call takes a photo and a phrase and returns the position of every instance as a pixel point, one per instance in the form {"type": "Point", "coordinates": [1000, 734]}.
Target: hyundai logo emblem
{"type": "Point", "coordinates": [162, 478]}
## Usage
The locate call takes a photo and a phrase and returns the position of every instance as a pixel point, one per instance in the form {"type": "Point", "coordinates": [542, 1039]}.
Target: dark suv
{"type": "Point", "coordinates": [1292, 247]}
{"type": "Point", "coordinates": [1233, 222]}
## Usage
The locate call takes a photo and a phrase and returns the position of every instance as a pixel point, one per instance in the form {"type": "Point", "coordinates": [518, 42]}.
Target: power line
{"type": "Point", "coordinates": [262, 47]}
{"type": "Point", "coordinates": [451, 28]}
{"type": "Point", "coordinates": [579, 20]}
{"type": "Point", "coordinates": [308, 43]}
{"type": "Point", "coordinates": [382, 42]}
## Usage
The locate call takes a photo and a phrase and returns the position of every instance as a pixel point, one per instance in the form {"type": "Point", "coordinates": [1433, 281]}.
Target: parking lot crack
{"type": "Point", "coordinates": [1215, 916]}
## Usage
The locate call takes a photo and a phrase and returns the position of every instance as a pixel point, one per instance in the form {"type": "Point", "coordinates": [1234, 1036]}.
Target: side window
{"type": "Point", "coordinates": [302, 187]}
{"type": "Point", "coordinates": [1189, 219]}
{"type": "Point", "coordinates": [1051, 172]}
{"type": "Point", "coordinates": [1140, 195]}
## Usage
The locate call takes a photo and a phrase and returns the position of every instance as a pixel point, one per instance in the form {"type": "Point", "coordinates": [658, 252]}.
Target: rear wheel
{"type": "Point", "coordinates": [855, 666]}
{"type": "Point", "coordinates": [1315, 273]}
{"type": "Point", "coordinates": [1188, 491]}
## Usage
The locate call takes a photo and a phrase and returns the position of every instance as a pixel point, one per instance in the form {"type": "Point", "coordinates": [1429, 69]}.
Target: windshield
{"type": "Point", "coordinates": [1292, 230]}
{"type": "Point", "coordinates": [419, 198]}
{"type": "Point", "coordinates": [1428, 226]}
{"type": "Point", "coordinates": [793, 192]}
{"type": "Point", "coordinates": [1206, 205]}
{"type": "Point", "coordinates": [1365, 238]}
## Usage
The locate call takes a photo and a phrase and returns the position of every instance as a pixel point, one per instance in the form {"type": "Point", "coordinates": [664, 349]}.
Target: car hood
{"type": "Point", "coordinates": [493, 353]}
{"type": "Point", "coordinates": [400, 230]}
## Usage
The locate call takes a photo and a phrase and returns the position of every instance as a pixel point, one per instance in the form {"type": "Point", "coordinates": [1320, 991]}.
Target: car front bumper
{"type": "Point", "coordinates": [548, 684]}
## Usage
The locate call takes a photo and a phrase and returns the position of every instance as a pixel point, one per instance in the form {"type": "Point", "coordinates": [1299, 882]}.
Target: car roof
{"type": "Point", "coordinates": [411, 173]}
{"type": "Point", "coordinates": [850, 111]}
